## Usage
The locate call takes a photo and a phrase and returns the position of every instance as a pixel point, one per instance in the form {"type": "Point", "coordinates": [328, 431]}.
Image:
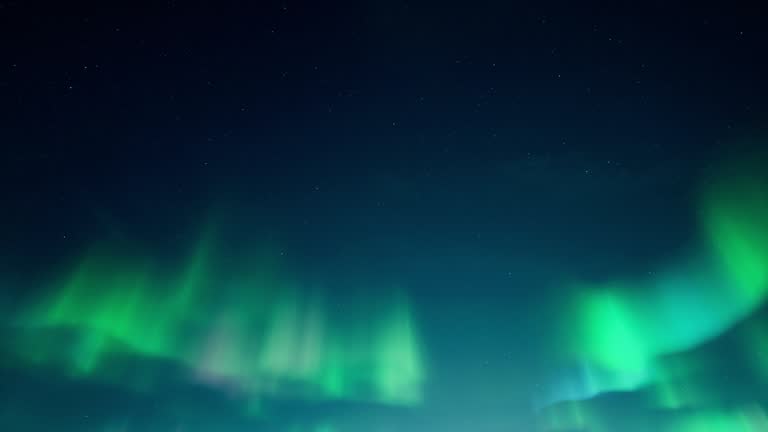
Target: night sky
{"type": "Point", "coordinates": [383, 216]}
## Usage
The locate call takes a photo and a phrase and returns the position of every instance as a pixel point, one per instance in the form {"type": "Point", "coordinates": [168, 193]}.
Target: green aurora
{"type": "Point", "coordinates": [255, 331]}
{"type": "Point", "coordinates": [246, 325]}
{"type": "Point", "coordinates": [633, 335]}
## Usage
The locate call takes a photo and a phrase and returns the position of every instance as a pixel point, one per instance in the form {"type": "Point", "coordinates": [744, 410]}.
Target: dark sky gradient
{"type": "Point", "coordinates": [481, 155]}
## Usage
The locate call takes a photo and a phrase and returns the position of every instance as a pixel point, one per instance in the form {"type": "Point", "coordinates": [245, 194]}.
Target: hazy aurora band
{"type": "Point", "coordinates": [247, 325]}
{"type": "Point", "coordinates": [253, 331]}
{"type": "Point", "coordinates": [641, 335]}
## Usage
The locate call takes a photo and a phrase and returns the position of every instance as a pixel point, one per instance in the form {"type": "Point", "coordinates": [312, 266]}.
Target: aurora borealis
{"type": "Point", "coordinates": [245, 326]}
{"type": "Point", "coordinates": [383, 217]}
{"type": "Point", "coordinates": [624, 336]}
{"type": "Point", "coordinates": [262, 335]}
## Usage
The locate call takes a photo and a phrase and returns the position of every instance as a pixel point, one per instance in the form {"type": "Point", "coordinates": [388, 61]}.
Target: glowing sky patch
{"type": "Point", "coordinates": [569, 415]}
{"type": "Point", "coordinates": [744, 419]}
{"type": "Point", "coordinates": [620, 329]}
{"type": "Point", "coordinates": [249, 330]}
{"type": "Point", "coordinates": [612, 332]}
{"type": "Point", "coordinates": [116, 305]}
{"type": "Point", "coordinates": [736, 220]}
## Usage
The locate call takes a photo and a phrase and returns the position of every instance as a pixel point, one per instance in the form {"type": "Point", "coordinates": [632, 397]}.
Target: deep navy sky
{"type": "Point", "coordinates": [108, 109]}
{"type": "Point", "coordinates": [478, 153]}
